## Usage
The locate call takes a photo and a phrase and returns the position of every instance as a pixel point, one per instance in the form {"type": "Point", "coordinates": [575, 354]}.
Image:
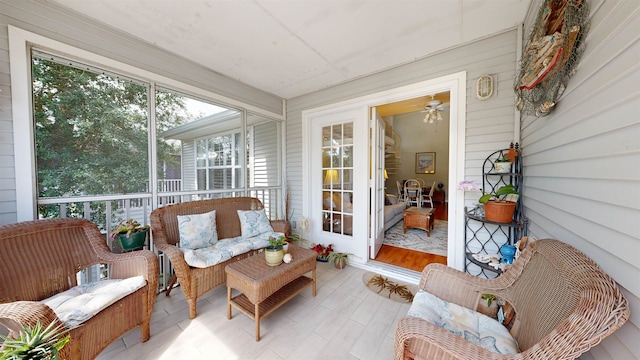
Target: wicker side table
{"type": "Point", "coordinates": [419, 218]}
{"type": "Point", "coordinates": [265, 288]}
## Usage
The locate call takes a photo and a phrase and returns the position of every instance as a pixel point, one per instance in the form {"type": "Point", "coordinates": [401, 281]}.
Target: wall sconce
{"type": "Point", "coordinates": [484, 87]}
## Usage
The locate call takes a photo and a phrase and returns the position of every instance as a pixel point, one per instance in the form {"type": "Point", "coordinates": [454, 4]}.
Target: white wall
{"type": "Point", "coordinates": [582, 162]}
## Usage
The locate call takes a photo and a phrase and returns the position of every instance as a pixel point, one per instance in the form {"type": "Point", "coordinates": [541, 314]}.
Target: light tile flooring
{"type": "Point", "coordinates": [344, 321]}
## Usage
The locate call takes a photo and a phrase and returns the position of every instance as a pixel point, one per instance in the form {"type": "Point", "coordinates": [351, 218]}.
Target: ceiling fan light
{"type": "Point", "coordinates": [438, 117]}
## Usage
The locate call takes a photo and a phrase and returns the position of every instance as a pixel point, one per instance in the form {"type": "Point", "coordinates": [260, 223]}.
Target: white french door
{"type": "Point", "coordinates": [376, 175]}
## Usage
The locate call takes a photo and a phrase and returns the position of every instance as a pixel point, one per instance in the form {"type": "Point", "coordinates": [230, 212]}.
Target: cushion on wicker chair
{"type": "Point", "coordinates": [197, 230]}
{"type": "Point", "coordinates": [254, 222]}
{"type": "Point", "coordinates": [81, 302]}
{"type": "Point", "coordinates": [469, 324]}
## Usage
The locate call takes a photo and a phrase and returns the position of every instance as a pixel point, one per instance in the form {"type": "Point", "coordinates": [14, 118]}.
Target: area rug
{"type": "Point", "coordinates": [416, 239]}
{"type": "Point", "coordinates": [389, 288]}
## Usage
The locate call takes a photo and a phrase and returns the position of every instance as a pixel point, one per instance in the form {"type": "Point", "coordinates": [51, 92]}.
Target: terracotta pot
{"type": "Point", "coordinates": [499, 211]}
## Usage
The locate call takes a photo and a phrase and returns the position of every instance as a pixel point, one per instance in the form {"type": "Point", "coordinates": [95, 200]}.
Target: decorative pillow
{"type": "Point", "coordinates": [197, 231]}
{"type": "Point", "coordinates": [254, 222]}
{"type": "Point", "coordinates": [473, 326]}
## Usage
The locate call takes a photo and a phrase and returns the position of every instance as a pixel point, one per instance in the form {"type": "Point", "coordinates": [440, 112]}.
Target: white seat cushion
{"type": "Point", "coordinates": [80, 303]}
{"type": "Point", "coordinates": [471, 325]}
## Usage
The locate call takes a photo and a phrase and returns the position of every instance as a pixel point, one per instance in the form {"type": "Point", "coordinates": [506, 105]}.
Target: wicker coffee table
{"type": "Point", "coordinates": [265, 288]}
{"type": "Point", "coordinates": [419, 218]}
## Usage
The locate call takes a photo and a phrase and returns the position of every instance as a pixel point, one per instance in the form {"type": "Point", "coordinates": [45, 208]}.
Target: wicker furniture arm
{"type": "Point", "coordinates": [564, 305]}
{"type": "Point", "coordinates": [164, 227]}
{"type": "Point", "coordinates": [41, 259]}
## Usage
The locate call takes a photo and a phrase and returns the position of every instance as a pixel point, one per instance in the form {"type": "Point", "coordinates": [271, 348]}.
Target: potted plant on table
{"type": "Point", "coordinates": [500, 206]}
{"type": "Point", "coordinates": [131, 233]}
{"type": "Point", "coordinates": [338, 259]}
{"type": "Point", "coordinates": [274, 253]}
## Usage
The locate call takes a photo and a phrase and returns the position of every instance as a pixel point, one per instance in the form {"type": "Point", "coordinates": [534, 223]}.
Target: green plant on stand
{"type": "Point", "coordinates": [36, 343]}
{"type": "Point", "coordinates": [338, 259]}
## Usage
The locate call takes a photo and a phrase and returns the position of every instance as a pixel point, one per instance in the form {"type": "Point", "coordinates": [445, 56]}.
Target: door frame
{"type": "Point", "coordinates": [456, 84]}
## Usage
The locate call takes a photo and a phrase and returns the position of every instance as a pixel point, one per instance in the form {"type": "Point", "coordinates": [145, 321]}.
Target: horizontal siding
{"type": "Point", "coordinates": [7, 163]}
{"type": "Point", "coordinates": [582, 162]}
{"type": "Point", "coordinates": [490, 123]}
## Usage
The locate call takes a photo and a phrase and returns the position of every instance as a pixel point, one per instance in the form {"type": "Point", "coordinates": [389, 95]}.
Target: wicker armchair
{"type": "Point", "coordinates": [41, 258]}
{"type": "Point", "coordinates": [564, 305]}
{"type": "Point", "coordinates": [198, 281]}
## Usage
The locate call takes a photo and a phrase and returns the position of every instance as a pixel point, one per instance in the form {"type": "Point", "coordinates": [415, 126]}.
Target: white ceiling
{"type": "Point", "coordinates": [293, 47]}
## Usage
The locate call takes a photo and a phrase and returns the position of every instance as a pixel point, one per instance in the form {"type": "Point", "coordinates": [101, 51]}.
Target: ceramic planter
{"type": "Point", "coordinates": [135, 241]}
{"type": "Point", "coordinates": [499, 211]}
{"type": "Point", "coordinates": [274, 256]}
{"type": "Point", "coordinates": [502, 167]}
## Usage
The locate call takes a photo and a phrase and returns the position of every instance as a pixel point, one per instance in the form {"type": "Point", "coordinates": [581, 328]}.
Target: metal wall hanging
{"type": "Point", "coordinates": [551, 55]}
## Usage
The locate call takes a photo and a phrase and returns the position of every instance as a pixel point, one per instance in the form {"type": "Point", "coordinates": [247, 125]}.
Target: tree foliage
{"type": "Point", "coordinates": [91, 131]}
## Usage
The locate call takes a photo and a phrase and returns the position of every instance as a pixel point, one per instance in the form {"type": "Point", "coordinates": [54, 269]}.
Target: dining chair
{"type": "Point", "coordinates": [400, 191]}
{"type": "Point", "coordinates": [428, 198]}
{"type": "Point", "coordinates": [413, 193]}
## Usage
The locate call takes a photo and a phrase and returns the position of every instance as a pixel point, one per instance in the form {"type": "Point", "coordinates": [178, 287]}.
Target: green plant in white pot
{"type": "Point", "coordinates": [502, 165]}
{"type": "Point", "coordinates": [274, 253]}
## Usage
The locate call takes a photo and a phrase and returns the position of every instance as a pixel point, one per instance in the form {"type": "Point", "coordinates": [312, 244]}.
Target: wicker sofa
{"type": "Point", "coordinates": [564, 305]}
{"type": "Point", "coordinates": [197, 281]}
{"type": "Point", "coordinates": [41, 258]}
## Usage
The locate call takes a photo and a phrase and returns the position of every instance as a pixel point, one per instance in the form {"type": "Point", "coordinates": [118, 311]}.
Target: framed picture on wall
{"type": "Point", "coordinates": [426, 163]}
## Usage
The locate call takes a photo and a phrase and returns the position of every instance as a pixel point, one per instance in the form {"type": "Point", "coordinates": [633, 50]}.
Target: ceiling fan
{"type": "Point", "coordinates": [433, 109]}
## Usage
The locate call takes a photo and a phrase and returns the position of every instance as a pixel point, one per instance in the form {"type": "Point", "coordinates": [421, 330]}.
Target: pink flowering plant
{"type": "Point", "coordinates": [468, 185]}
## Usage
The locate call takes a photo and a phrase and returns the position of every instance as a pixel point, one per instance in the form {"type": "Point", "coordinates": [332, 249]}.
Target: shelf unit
{"type": "Point", "coordinates": [486, 237]}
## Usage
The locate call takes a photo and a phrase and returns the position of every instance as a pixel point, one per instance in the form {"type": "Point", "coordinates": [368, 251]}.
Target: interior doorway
{"type": "Point", "coordinates": [415, 127]}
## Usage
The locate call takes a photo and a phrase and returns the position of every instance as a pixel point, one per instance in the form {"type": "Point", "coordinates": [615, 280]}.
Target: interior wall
{"type": "Point", "coordinates": [581, 162]}
{"type": "Point", "coordinates": [420, 137]}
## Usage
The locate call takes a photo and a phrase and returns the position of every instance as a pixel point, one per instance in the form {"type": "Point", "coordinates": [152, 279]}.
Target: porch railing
{"type": "Point", "coordinates": [108, 210]}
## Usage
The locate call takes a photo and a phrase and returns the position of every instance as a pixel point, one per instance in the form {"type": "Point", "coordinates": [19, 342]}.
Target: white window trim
{"type": "Point", "coordinates": [20, 42]}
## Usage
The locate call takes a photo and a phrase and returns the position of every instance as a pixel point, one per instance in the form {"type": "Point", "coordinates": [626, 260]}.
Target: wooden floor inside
{"type": "Point", "coordinates": [411, 259]}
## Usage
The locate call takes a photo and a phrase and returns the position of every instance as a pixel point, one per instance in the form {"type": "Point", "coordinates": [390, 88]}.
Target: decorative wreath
{"type": "Point", "coordinates": [551, 55]}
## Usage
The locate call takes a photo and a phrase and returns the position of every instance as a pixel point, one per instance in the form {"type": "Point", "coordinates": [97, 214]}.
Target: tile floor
{"type": "Point", "coordinates": [344, 321]}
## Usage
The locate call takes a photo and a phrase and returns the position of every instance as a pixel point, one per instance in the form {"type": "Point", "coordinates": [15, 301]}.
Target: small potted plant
{"type": "Point", "coordinates": [36, 342]}
{"type": "Point", "coordinates": [274, 253]}
{"type": "Point", "coordinates": [498, 207]}
{"type": "Point", "coordinates": [131, 233]}
{"type": "Point", "coordinates": [322, 251]}
{"type": "Point", "coordinates": [502, 165]}
{"type": "Point", "coordinates": [338, 259]}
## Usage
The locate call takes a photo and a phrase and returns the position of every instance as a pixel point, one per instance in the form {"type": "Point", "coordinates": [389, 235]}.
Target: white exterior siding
{"type": "Point", "coordinates": [7, 163]}
{"type": "Point", "coordinates": [582, 162]}
{"type": "Point", "coordinates": [266, 155]}
{"type": "Point", "coordinates": [189, 181]}
{"type": "Point", "coordinates": [490, 124]}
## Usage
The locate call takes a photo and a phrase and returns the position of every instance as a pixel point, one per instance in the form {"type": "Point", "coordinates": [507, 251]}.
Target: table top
{"type": "Point", "coordinates": [255, 268]}
{"type": "Point", "coordinates": [423, 211]}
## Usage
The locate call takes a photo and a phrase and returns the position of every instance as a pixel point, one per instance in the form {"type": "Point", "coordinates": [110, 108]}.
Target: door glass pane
{"type": "Point", "coordinates": [337, 174]}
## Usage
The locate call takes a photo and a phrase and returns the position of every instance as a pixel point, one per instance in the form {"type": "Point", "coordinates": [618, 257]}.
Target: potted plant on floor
{"type": "Point", "coordinates": [500, 206]}
{"type": "Point", "coordinates": [338, 259]}
{"type": "Point", "coordinates": [322, 251]}
{"type": "Point", "coordinates": [274, 253]}
{"type": "Point", "coordinates": [36, 342]}
{"type": "Point", "coordinates": [131, 233]}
